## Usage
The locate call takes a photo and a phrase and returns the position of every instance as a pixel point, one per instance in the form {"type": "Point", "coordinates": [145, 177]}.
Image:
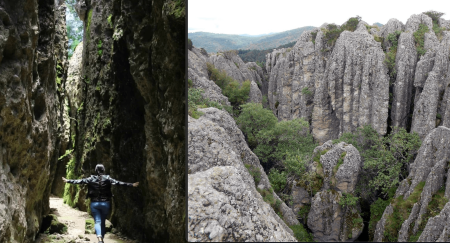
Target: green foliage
{"type": "Point", "coordinates": [295, 164]}
{"type": "Point", "coordinates": [437, 203]}
{"type": "Point", "coordinates": [332, 32]}
{"type": "Point", "coordinates": [376, 211]}
{"type": "Point", "coordinates": [88, 25]}
{"type": "Point", "coordinates": [264, 99]}
{"type": "Point", "coordinates": [313, 37]}
{"type": "Point", "coordinates": [378, 38]}
{"type": "Point", "coordinates": [74, 27]}
{"type": "Point", "coordinates": [190, 45]}
{"type": "Point", "coordinates": [196, 100]}
{"type": "Point", "coordinates": [385, 158]}
{"type": "Point", "coordinates": [237, 65]}
{"type": "Point", "coordinates": [236, 94]}
{"type": "Point", "coordinates": [99, 47]}
{"type": "Point", "coordinates": [301, 234]}
{"type": "Point", "coordinates": [286, 137]}
{"type": "Point", "coordinates": [261, 64]}
{"type": "Point", "coordinates": [277, 179]}
{"type": "Point", "coordinates": [348, 199]}
{"type": "Point", "coordinates": [253, 119]}
{"type": "Point", "coordinates": [176, 8]}
{"type": "Point", "coordinates": [259, 56]}
{"type": "Point", "coordinates": [419, 38]}
{"type": "Point", "coordinates": [306, 91]}
{"type": "Point", "coordinates": [190, 84]}
{"type": "Point", "coordinates": [340, 162]}
{"type": "Point", "coordinates": [254, 172]}
{"type": "Point", "coordinates": [391, 55]}
{"type": "Point", "coordinates": [304, 211]}
{"type": "Point", "coordinates": [434, 15]}
{"type": "Point", "coordinates": [110, 21]}
{"type": "Point", "coordinates": [402, 209]}
{"type": "Point", "coordinates": [438, 116]}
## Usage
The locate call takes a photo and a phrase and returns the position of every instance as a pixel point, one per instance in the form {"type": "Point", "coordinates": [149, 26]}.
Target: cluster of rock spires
{"type": "Point", "coordinates": [338, 86]}
{"type": "Point", "coordinates": [120, 103]}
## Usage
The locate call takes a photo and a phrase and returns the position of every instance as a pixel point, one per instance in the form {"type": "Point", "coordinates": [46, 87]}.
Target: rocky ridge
{"type": "Point", "coordinates": [339, 85]}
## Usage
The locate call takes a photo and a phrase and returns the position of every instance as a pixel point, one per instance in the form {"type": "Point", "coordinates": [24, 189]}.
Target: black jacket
{"type": "Point", "coordinates": [99, 187]}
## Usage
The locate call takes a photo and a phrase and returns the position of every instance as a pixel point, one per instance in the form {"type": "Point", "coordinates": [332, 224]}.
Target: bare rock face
{"type": "Point", "coordinates": [32, 45]}
{"type": "Point", "coordinates": [291, 82]}
{"type": "Point", "coordinates": [354, 90]}
{"type": "Point", "coordinates": [130, 113]}
{"type": "Point", "coordinates": [405, 64]}
{"type": "Point", "coordinates": [218, 179]}
{"type": "Point", "coordinates": [327, 219]}
{"type": "Point", "coordinates": [430, 167]}
{"type": "Point", "coordinates": [432, 91]}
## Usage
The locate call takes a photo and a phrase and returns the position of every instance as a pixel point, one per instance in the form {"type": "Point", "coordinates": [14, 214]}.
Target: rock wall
{"type": "Point", "coordinates": [430, 167]}
{"type": "Point", "coordinates": [339, 85]}
{"type": "Point", "coordinates": [224, 203]}
{"type": "Point", "coordinates": [128, 101]}
{"type": "Point", "coordinates": [32, 71]}
{"type": "Point", "coordinates": [337, 173]}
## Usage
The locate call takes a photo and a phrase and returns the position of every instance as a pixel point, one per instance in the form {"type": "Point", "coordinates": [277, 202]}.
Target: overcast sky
{"type": "Point", "coordinates": [260, 17]}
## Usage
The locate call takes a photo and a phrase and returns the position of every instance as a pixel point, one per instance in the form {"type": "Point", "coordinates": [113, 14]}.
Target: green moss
{"type": "Point", "coordinates": [110, 21]}
{"type": "Point", "coordinates": [301, 234]}
{"type": "Point", "coordinates": [190, 84]}
{"type": "Point", "coordinates": [340, 162]}
{"type": "Point", "coordinates": [434, 207]}
{"type": "Point", "coordinates": [99, 47]}
{"type": "Point", "coordinates": [419, 38]}
{"type": "Point", "coordinates": [402, 209]}
{"type": "Point", "coordinates": [88, 25]}
{"type": "Point", "coordinates": [306, 91]}
{"type": "Point", "coordinates": [304, 211]}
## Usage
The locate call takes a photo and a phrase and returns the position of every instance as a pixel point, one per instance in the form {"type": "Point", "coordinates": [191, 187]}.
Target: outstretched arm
{"type": "Point", "coordinates": [80, 181]}
{"type": "Point", "coordinates": [120, 183]}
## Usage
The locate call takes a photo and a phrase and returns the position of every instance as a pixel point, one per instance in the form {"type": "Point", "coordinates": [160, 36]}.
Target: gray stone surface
{"type": "Point", "coordinates": [355, 90]}
{"type": "Point", "coordinates": [405, 64]}
{"type": "Point", "coordinates": [429, 167]}
{"type": "Point", "coordinates": [390, 27]}
{"type": "Point", "coordinates": [379, 230]}
{"type": "Point", "coordinates": [327, 219]}
{"type": "Point", "coordinates": [292, 80]}
{"type": "Point", "coordinates": [224, 207]}
{"type": "Point", "coordinates": [215, 142]}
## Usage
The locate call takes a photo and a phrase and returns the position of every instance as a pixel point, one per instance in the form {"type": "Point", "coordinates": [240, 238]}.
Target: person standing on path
{"type": "Point", "coordinates": [99, 190]}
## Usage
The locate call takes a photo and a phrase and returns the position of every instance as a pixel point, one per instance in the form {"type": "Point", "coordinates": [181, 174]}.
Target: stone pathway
{"type": "Point", "coordinates": [75, 221]}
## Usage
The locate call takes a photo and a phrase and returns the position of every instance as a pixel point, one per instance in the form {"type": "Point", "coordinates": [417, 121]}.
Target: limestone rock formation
{"type": "Point", "coordinates": [354, 88]}
{"type": "Point", "coordinates": [234, 67]}
{"type": "Point", "coordinates": [432, 89]}
{"type": "Point", "coordinates": [430, 167]}
{"type": "Point", "coordinates": [339, 167]}
{"type": "Point", "coordinates": [218, 179]}
{"type": "Point", "coordinates": [390, 27]}
{"type": "Point", "coordinates": [291, 82]}
{"type": "Point", "coordinates": [32, 45]}
{"type": "Point", "coordinates": [129, 108]}
{"type": "Point", "coordinates": [197, 73]}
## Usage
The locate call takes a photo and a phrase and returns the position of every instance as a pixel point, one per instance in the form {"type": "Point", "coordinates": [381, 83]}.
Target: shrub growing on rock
{"type": "Point", "coordinates": [253, 119]}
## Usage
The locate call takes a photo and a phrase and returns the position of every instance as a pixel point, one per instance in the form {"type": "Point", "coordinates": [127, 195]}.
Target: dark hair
{"type": "Point", "coordinates": [100, 169]}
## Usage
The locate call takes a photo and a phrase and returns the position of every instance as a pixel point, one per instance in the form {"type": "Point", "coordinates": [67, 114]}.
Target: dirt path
{"type": "Point", "coordinates": [75, 221]}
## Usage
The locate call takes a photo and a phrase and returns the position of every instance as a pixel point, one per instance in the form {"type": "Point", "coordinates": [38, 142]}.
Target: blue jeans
{"type": "Point", "coordinates": [100, 210]}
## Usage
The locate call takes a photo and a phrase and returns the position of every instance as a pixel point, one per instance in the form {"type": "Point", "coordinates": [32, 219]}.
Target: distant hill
{"type": "Point", "coordinates": [212, 42]}
{"type": "Point", "coordinates": [260, 55]}
{"type": "Point", "coordinates": [377, 24]}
